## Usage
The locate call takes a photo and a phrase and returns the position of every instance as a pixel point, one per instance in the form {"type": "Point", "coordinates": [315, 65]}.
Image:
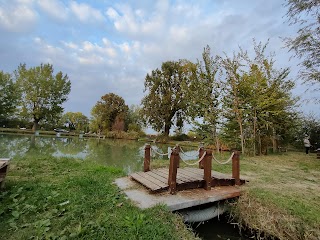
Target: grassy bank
{"type": "Point", "coordinates": [282, 197]}
{"type": "Point", "coordinates": [61, 198]}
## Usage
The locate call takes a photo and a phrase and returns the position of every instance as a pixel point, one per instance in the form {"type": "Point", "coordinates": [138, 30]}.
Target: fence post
{"type": "Point", "coordinates": [179, 150]}
{"type": "Point", "coordinates": [172, 178]}
{"type": "Point", "coordinates": [207, 169]}
{"type": "Point", "coordinates": [201, 152]}
{"type": "Point", "coordinates": [236, 167]}
{"type": "Point", "coordinates": [147, 157]}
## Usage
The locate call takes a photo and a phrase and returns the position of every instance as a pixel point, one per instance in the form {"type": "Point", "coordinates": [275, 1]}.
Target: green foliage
{"type": "Point", "coordinates": [134, 120]}
{"type": "Point", "coordinates": [306, 44]}
{"type": "Point", "coordinates": [9, 97]}
{"type": "Point", "coordinates": [75, 121]}
{"type": "Point", "coordinates": [109, 113]}
{"type": "Point", "coordinates": [257, 98]}
{"type": "Point", "coordinates": [42, 93]}
{"type": "Point", "coordinates": [205, 94]}
{"type": "Point", "coordinates": [73, 199]}
{"type": "Point", "coordinates": [167, 98]}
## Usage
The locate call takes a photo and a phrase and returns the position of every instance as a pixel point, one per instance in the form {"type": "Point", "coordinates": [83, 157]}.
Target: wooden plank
{"type": "Point", "coordinates": [157, 179]}
{"type": "Point", "coordinates": [221, 175]}
{"type": "Point", "coordinates": [194, 170]}
{"type": "Point", "coordinates": [195, 176]}
{"type": "Point", "coordinates": [164, 172]}
{"type": "Point", "coordinates": [187, 177]}
{"type": "Point", "coordinates": [158, 175]}
{"type": "Point", "coordinates": [215, 174]}
{"type": "Point", "coordinates": [152, 179]}
{"type": "Point", "coordinates": [145, 182]}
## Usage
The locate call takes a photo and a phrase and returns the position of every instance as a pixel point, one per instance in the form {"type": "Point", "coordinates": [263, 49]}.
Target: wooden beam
{"type": "Point", "coordinates": [236, 167]}
{"type": "Point", "coordinates": [172, 178]}
{"type": "Point", "coordinates": [147, 158]}
{"type": "Point", "coordinates": [207, 169]}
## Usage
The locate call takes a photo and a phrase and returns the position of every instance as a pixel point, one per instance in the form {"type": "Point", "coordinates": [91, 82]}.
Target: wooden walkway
{"type": "Point", "coordinates": [4, 163]}
{"type": "Point", "coordinates": [187, 178]}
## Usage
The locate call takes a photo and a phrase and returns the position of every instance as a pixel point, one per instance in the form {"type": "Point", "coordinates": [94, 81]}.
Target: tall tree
{"type": "Point", "coordinates": [8, 96]}
{"type": "Point", "coordinates": [75, 120]}
{"type": "Point", "coordinates": [258, 96]}
{"type": "Point", "coordinates": [166, 98]}
{"type": "Point", "coordinates": [306, 44]}
{"type": "Point", "coordinates": [109, 113]}
{"type": "Point", "coordinates": [43, 93]}
{"type": "Point", "coordinates": [204, 94]}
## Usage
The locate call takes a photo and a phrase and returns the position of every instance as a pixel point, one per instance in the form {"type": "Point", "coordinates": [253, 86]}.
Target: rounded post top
{"type": "Point", "coordinates": [209, 151]}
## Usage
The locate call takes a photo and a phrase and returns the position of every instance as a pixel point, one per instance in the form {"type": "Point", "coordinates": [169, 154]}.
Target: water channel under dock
{"type": "Point", "coordinates": [127, 155]}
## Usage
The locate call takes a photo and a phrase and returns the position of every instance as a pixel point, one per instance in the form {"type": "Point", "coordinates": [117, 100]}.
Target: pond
{"type": "Point", "coordinates": [127, 155]}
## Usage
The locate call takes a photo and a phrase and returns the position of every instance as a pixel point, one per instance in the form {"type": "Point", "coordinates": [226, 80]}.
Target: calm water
{"type": "Point", "coordinates": [127, 155]}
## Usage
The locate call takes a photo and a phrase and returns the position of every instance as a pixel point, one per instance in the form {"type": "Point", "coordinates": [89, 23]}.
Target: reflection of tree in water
{"type": "Point", "coordinates": [11, 145]}
{"type": "Point", "coordinates": [71, 146]}
{"type": "Point", "coordinates": [41, 145]}
{"type": "Point", "coordinates": [120, 153]}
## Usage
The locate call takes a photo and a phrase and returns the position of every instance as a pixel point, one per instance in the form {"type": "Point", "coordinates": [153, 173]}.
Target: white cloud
{"type": "Point", "coordinates": [85, 13]}
{"type": "Point", "coordinates": [17, 16]}
{"type": "Point", "coordinates": [54, 8]}
{"type": "Point", "coordinates": [70, 45]}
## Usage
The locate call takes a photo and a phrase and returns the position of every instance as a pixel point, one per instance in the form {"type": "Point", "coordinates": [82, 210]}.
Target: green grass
{"type": "Point", "coordinates": [61, 198]}
{"type": "Point", "coordinates": [282, 197]}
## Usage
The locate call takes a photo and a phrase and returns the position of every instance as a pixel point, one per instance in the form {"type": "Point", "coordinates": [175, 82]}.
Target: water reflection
{"type": "Point", "coordinates": [127, 155]}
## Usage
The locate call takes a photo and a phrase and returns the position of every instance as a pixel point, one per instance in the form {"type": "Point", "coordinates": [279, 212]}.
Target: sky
{"type": "Point", "coordinates": [107, 46]}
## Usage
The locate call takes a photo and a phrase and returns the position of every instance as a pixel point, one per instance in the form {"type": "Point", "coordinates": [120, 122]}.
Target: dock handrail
{"type": "Point", "coordinates": [205, 163]}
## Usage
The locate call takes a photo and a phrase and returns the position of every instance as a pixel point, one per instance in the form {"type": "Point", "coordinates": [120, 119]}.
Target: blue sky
{"type": "Point", "coordinates": [110, 46]}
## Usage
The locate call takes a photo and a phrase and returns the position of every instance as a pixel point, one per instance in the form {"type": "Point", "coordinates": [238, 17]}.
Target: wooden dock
{"type": "Point", "coordinates": [181, 188]}
{"type": "Point", "coordinates": [4, 165]}
{"type": "Point", "coordinates": [187, 178]}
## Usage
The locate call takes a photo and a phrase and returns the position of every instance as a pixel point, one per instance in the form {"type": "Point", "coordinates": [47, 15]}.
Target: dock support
{"type": "Point", "coordinates": [147, 157]}
{"type": "Point", "coordinates": [207, 169]}
{"type": "Point", "coordinates": [236, 167]}
{"type": "Point", "coordinates": [172, 178]}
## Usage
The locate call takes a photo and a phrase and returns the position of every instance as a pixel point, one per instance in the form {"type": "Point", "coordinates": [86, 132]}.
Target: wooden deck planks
{"type": "Point", "coordinates": [157, 179]}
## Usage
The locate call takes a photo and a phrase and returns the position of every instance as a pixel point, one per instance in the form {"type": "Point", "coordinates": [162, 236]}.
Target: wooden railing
{"type": "Point", "coordinates": [205, 164]}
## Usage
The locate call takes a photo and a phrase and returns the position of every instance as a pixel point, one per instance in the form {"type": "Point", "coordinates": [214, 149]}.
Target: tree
{"type": "Point", "coordinates": [204, 94]}
{"type": "Point", "coordinates": [258, 97]}
{"type": "Point", "coordinates": [306, 44]}
{"type": "Point", "coordinates": [8, 96]}
{"type": "Point", "coordinates": [42, 92]}
{"type": "Point", "coordinates": [134, 120]}
{"type": "Point", "coordinates": [109, 113]}
{"type": "Point", "coordinates": [166, 99]}
{"type": "Point", "coordinates": [75, 121]}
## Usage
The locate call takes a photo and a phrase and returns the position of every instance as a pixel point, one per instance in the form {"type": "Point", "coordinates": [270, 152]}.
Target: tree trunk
{"type": "Point", "coordinates": [35, 125]}
{"type": "Point", "coordinates": [167, 127]}
{"type": "Point", "coordinates": [274, 141]}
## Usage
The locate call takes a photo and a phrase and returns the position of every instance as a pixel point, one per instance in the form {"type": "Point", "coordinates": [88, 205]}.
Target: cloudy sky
{"type": "Point", "coordinates": [109, 46]}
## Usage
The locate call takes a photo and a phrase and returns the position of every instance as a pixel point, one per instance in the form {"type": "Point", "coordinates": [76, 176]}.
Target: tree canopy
{"type": "Point", "coordinates": [109, 113]}
{"type": "Point", "coordinates": [306, 44]}
{"type": "Point", "coordinates": [42, 92]}
{"type": "Point", "coordinates": [166, 98]}
{"type": "Point", "coordinates": [8, 96]}
{"type": "Point", "coordinates": [257, 97]}
{"type": "Point", "coordinates": [75, 121]}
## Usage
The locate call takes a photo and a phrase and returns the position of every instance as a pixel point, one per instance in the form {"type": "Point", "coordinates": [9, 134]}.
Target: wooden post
{"type": "Point", "coordinates": [236, 167]}
{"type": "Point", "coordinates": [201, 152]}
{"type": "Point", "coordinates": [207, 169]}
{"type": "Point", "coordinates": [172, 178]}
{"type": "Point", "coordinates": [179, 150]}
{"type": "Point", "coordinates": [147, 157]}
